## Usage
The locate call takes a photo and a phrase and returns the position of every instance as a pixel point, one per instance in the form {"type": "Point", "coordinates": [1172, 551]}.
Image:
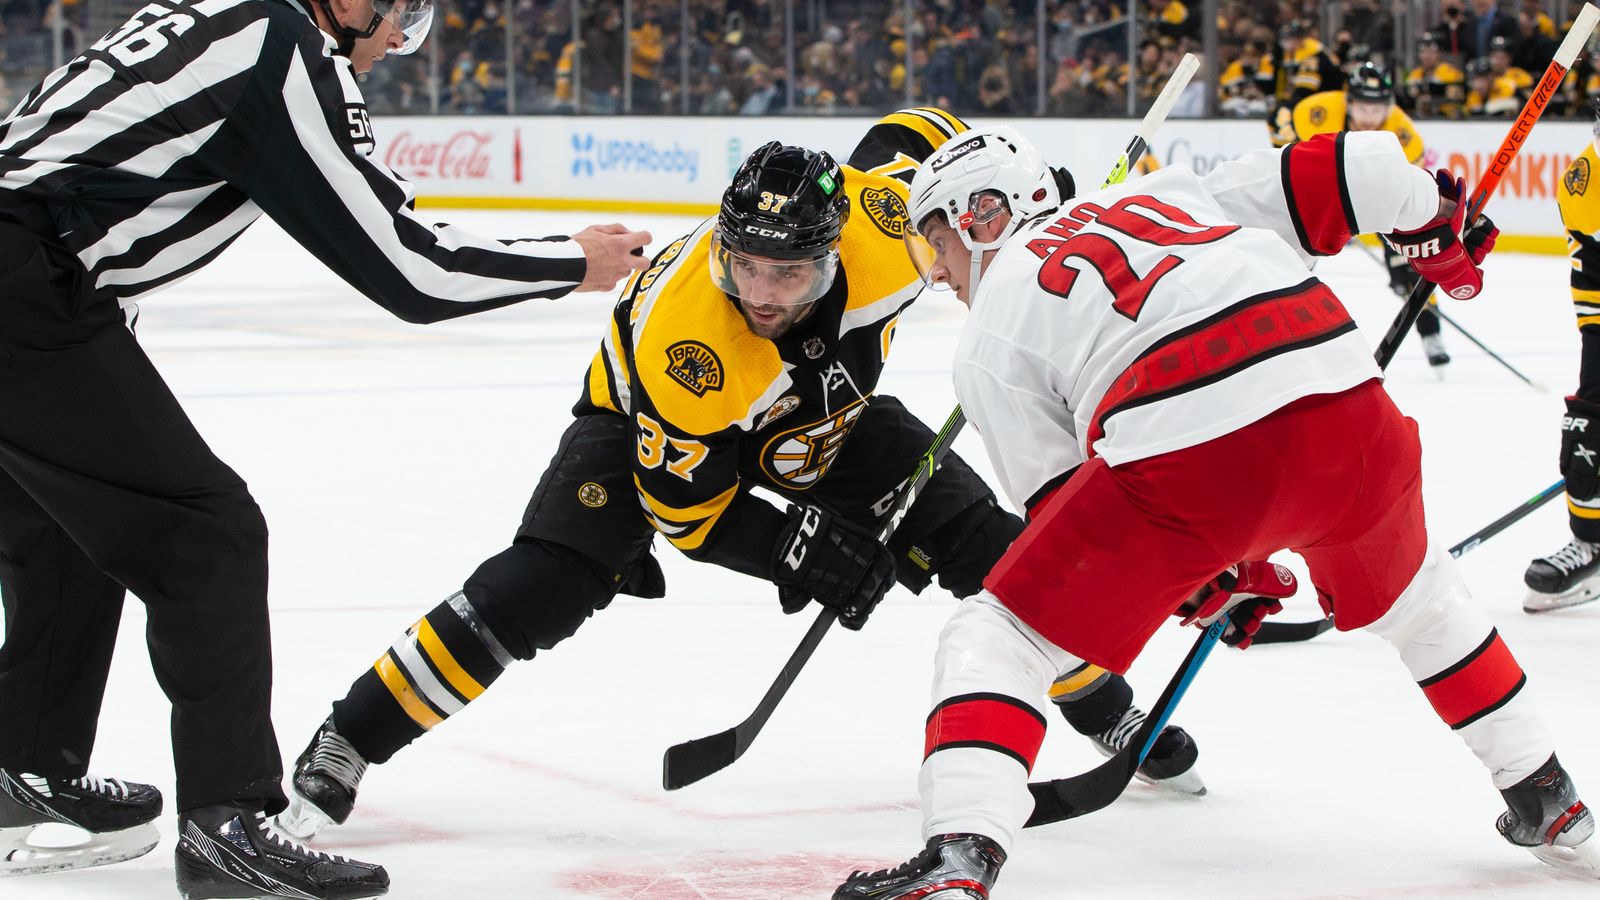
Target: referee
{"type": "Point", "coordinates": [131, 167]}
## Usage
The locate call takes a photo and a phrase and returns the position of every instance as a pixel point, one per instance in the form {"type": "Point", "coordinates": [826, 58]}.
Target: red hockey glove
{"type": "Point", "coordinates": [1246, 593]}
{"type": "Point", "coordinates": [1437, 254]}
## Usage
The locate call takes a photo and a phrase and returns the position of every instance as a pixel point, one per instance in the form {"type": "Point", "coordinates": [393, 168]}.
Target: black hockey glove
{"type": "Point", "coordinates": [1580, 443]}
{"type": "Point", "coordinates": [834, 561]}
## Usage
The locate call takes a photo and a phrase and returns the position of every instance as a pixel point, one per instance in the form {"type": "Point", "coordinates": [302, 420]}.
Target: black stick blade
{"type": "Point", "coordinates": [1290, 632]}
{"type": "Point", "coordinates": [1091, 791]}
{"type": "Point", "coordinates": [690, 761]}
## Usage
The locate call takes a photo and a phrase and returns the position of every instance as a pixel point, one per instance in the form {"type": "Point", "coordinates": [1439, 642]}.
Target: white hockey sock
{"type": "Point", "coordinates": [990, 680]}
{"type": "Point", "coordinates": [1466, 671]}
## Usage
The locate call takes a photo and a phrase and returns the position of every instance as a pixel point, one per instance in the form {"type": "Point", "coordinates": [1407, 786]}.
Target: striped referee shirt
{"type": "Point", "coordinates": [152, 151]}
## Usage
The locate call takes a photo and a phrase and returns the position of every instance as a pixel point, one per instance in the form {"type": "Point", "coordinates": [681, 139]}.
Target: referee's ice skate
{"type": "Point", "coordinates": [231, 852]}
{"type": "Point", "coordinates": [113, 816]}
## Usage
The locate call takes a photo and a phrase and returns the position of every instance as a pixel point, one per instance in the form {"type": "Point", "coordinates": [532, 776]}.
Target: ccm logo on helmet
{"type": "Point", "coordinates": [763, 231]}
{"type": "Point", "coordinates": [958, 151]}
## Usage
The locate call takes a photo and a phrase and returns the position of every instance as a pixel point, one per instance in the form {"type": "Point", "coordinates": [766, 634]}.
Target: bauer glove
{"type": "Point", "coordinates": [1246, 593]}
{"type": "Point", "coordinates": [1437, 254]}
{"type": "Point", "coordinates": [1580, 442]}
{"type": "Point", "coordinates": [822, 557]}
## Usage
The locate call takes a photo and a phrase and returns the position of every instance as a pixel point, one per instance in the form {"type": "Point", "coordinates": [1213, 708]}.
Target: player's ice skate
{"type": "Point", "coordinates": [1545, 815]}
{"type": "Point", "coordinates": [323, 790]}
{"type": "Point", "coordinates": [230, 852]}
{"type": "Point", "coordinates": [1568, 577]}
{"type": "Point", "coordinates": [1170, 763]}
{"type": "Point", "coordinates": [113, 816]}
{"type": "Point", "coordinates": [951, 867]}
{"type": "Point", "coordinates": [1438, 357]}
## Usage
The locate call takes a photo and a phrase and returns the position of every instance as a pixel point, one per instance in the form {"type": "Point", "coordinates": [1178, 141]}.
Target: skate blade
{"type": "Point", "coordinates": [97, 850]}
{"type": "Point", "coordinates": [1580, 593]}
{"type": "Point", "coordinates": [1582, 860]}
{"type": "Point", "coordinates": [302, 820]}
{"type": "Point", "coordinates": [1185, 784]}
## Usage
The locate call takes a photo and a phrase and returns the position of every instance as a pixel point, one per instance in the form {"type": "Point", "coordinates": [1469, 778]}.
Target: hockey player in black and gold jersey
{"type": "Point", "coordinates": [745, 356]}
{"type": "Point", "coordinates": [1571, 575]}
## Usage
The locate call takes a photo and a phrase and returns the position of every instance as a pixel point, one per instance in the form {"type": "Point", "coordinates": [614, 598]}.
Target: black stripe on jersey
{"type": "Point", "coordinates": [611, 368]}
{"type": "Point", "coordinates": [956, 126]}
{"type": "Point", "coordinates": [1048, 488]}
{"type": "Point", "coordinates": [986, 695]}
{"type": "Point", "coordinates": [1510, 695]}
{"type": "Point", "coordinates": [466, 647]}
{"type": "Point", "coordinates": [1463, 662]}
{"type": "Point", "coordinates": [1344, 186]}
{"type": "Point", "coordinates": [438, 674]}
{"type": "Point", "coordinates": [983, 745]}
{"type": "Point", "coordinates": [416, 689]}
{"type": "Point", "coordinates": [1294, 208]}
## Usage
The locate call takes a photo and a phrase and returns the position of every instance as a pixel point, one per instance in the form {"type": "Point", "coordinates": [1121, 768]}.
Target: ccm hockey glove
{"type": "Point", "coordinates": [1246, 593]}
{"type": "Point", "coordinates": [1580, 442]}
{"type": "Point", "coordinates": [1435, 252]}
{"type": "Point", "coordinates": [834, 561]}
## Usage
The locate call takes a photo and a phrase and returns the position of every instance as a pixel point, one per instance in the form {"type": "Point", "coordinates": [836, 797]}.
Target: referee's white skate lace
{"type": "Point", "coordinates": [108, 787]}
{"type": "Point", "coordinates": [1575, 555]}
{"type": "Point", "coordinates": [335, 756]}
{"type": "Point", "coordinates": [269, 832]}
{"type": "Point", "coordinates": [1119, 734]}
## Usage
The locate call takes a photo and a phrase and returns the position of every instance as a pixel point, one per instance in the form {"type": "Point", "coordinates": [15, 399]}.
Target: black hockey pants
{"type": "Point", "coordinates": [105, 485]}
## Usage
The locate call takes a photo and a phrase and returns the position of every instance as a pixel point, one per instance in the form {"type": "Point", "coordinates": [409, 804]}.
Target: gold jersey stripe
{"type": "Point", "coordinates": [1582, 512]}
{"type": "Point", "coordinates": [404, 694]}
{"type": "Point", "coordinates": [1588, 320]}
{"type": "Point", "coordinates": [926, 129]}
{"type": "Point", "coordinates": [464, 684]}
{"type": "Point", "coordinates": [704, 515]}
{"type": "Point", "coordinates": [1073, 682]}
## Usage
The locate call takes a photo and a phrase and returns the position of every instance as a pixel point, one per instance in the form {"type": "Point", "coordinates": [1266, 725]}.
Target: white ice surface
{"type": "Point", "coordinates": [390, 459]}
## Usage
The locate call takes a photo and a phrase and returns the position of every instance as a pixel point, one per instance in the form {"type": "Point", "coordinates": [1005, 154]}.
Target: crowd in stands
{"type": "Point", "coordinates": [1468, 58]}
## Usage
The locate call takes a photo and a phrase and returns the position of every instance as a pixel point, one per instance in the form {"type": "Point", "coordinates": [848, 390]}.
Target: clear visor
{"type": "Point", "coordinates": [771, 282]}
{"type": "Point", "coordinates": [412, 18]}
{"type": "Point", "coordinates": [982, 208]}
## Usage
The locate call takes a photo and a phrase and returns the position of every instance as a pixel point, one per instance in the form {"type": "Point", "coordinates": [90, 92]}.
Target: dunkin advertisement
{"type": "Point", "coordinates": [666, 164]}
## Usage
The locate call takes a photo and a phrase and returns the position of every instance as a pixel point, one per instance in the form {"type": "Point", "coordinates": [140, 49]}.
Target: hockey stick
{"type": "Point", "coordinates": [688, 762]}
{"type": "Point", "coordinates": [1066, 798]}
{"type": "Point", "coordinates": [1571, 45]}
{"type": "Point", "coordinates": [1464, 333]}
{"type": "Point", "coordinates": [684, 764]}
{"type": "Point", "coordinates": [1510, 518]}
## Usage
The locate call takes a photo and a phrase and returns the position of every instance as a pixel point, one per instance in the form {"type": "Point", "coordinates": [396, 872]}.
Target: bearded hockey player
{"type": "Point", "coordinates": [1156, 362]}
{"type": "Point", "coordinates": [1571, 575]}
{"type": "Point", "coordinates": [746, 355]}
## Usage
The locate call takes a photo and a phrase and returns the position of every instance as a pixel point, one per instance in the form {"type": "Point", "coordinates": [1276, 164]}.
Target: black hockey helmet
{"type": "Point", "coordinates": [1430, 39]}
{"type": "Point", "coordinates": [1501, 43]}
{"type": "Point", "coordinates": [784, 203]}
{"type": "Point", "coordinates": [1293, 30]}
{"type": "Point", "coordinates": [1370, 83]}
{"type": "Point", "coordinates": [779, 226]}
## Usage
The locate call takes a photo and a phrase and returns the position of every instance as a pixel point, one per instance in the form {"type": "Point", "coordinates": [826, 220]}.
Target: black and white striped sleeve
{"type": "Point", "coordinates": [304, 158]}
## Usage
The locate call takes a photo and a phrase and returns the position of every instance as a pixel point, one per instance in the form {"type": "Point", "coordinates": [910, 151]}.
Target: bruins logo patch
{"type": "Point", "coordinates": [798, 459]}
{"type": "Point", "coordinates": [1576, 179]}
{"type": "Point", "coordinates": [1318, 115]}
{"type": "Point", "coordinates": [592, 495]}
{"type": "Point", "coordinates": [886, 210]}
{"type": "Point", "coordinates": [693, 365]}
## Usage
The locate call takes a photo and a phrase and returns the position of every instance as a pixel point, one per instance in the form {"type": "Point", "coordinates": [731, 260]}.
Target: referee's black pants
{"type": "Point", "coordinates": [105, 485]}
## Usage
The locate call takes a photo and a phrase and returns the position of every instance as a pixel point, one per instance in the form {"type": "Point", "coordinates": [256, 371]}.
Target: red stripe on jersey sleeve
{"type": "Point", "coordinates": [988, 721]}
{"type": "Point", "coordinates": [1318, 198]}
{"type": "Point", "coordinates": [1485, 680]}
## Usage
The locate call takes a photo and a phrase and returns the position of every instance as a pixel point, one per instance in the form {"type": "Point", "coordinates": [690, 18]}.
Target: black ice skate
{"type": "Point", "coordinates": [1567, 577]}
{"type": "Point", "coordinates": [1170, 763]}
{"type": "Point", "coordinates": [323, 790]}
{"type": "Point", "coordinates": [229, 851]}
{"type": "Point", "coordinates": [1433, 345]}
{"type": "Point", "coordinates": [951, 867]}
{"type": "Point", "coordinates": [1545, 815]}
{"type": "Point", "coordinates": [115, 814]}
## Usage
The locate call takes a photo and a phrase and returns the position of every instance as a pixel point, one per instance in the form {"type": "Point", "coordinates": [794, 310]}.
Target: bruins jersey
{"type": "Point", "coordinates": [1324, 113]}
{"type": "Point", "coordinates": [1578, 198]}
{"type": "Point", "coordinates": [716, 409]}
{"type": "Point", "coordinates": [1438, 90]}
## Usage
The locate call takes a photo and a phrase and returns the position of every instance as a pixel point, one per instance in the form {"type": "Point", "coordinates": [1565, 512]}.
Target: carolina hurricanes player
{"type": "Point", "coordinates": [1167, 389]}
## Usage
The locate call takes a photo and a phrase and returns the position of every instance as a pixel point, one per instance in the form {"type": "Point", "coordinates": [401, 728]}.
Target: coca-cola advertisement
{"type": "Point", "coordinates": [451, 158]}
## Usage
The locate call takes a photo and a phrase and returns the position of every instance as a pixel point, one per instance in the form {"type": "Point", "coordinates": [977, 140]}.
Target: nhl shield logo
{"type": "Point", "coordinates": [886, 210]}
{"type": "Point", "coordinates": [694, 365]}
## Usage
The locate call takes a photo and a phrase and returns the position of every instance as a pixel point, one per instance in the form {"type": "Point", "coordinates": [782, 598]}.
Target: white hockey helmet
{"type": "Point", "coordinates": [971, 179]}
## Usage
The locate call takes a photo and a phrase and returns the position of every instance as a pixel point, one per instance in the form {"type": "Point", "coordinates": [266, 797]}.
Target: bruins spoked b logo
{"type": "Point", "coordinates": [693, 365]}
{"type": "Point", "coordinates": [592, 495]}
{"type": "Point", "coordinates": [798, 458]}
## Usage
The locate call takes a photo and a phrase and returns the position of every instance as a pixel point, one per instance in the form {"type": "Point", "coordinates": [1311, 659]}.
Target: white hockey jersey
{"type": "Point", "coordinates": [1160, 314]}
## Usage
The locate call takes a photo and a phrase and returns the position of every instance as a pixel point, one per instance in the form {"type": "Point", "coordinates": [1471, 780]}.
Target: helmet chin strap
{"type": "Point", "coordinates": [348, 36]}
